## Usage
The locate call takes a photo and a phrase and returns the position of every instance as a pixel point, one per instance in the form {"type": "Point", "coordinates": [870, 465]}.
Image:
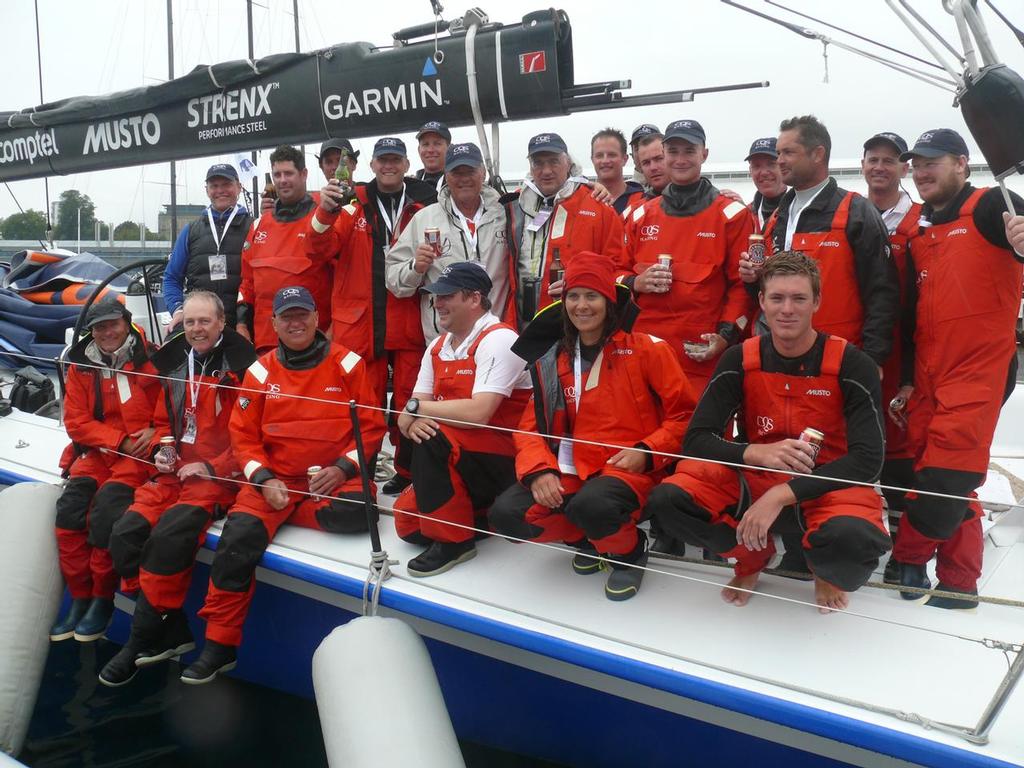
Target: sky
{"type": "Point", "coordinates": [100, 46]}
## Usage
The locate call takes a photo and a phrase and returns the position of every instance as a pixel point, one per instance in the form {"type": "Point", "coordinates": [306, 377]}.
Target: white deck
{"type": "Point", "coordinates": [681, 624]}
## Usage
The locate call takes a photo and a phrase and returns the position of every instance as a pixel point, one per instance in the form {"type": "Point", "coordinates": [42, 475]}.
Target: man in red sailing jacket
{"type": "Point", "coordinates": [555, 211]}
{"type": "Point", "coordinates": [966, 257]}
{"type": "Point", "coordinates": [648, 152]}
{"type": "Point", "coordinates": [276, 255]}
{"type": "Point", "coordinates": [784, 382]}
{"type": "Point", "coordinates": [763, 165]}
{"type": "Point", "coordinates": [108, 414]}
{"type": "Point", "coordinates": [469, 373]}
{"type": "Point", "coordinates": [696, 301]}
{"type": "Point", "coordinates": [383, 329]}
{"type": "Point", "coordinates": [293, 438]}
{"type": "Point", "coordinates": [154, 545]}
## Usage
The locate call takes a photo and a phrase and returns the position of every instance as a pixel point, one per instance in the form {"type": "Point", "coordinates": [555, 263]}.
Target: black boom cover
{"type": "Point", "coordinates": [993, 108]}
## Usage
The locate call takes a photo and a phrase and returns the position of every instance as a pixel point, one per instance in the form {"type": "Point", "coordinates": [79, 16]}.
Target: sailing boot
{"type": "Point", "coordinates": [145, 632]}
{"type": "Point", "coordinates": [627, 571]}
{"type": "Point", "coordinates": [96, 620]}
{"type": "Point", "coordinates": [173, 640]}
{"type": "Point", "coordinates": [396, 485]}
{"type": "Point", "coordinates": [64, 627]}
{"type": "Point", "coordinates": [914, 576]}
{"type": "Point", "coordinates": [586, 561]}
{"type": "Point", "coordinates": [969, 601]}
{"type": "Point", "coordinates": [891, 574]}
{"type": "Point", "coordinates": [215, 658]}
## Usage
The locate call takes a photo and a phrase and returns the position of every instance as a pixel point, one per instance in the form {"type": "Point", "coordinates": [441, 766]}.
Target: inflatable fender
{"type": "Point", "coordinates": [379, 699]}
{"type": "Point", "coordinates": [30, 575]}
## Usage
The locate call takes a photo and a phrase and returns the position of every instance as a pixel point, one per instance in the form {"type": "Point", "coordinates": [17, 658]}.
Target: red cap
{"type": "Point", "coordinates": [591, 270]}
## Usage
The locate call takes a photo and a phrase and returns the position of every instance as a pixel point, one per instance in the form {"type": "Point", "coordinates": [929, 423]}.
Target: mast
{"type": "Point", "coordinates": [46, 179]}
{"type": "Point", "coordinates": [170, 76]}
{"type": "Point", "coordinates": [252, 57]}
{"type": "Point", "coordinates": [298, 47]}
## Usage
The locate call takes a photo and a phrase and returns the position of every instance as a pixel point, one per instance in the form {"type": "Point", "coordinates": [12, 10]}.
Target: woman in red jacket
{"type": "Point", "coordinates": [585, 358]}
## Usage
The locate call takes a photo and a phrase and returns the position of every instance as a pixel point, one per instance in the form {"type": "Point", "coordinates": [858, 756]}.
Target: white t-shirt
{"type": "Point", "coordinates": [498, 368]}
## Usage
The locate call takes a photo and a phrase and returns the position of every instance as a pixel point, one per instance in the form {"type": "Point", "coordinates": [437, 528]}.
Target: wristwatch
{"type": "Point", "coordinates": [412, 405]}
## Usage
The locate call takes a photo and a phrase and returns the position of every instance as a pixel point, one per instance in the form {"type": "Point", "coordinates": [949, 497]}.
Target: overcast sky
{"type": "Point", "coordinates": [99, 46]}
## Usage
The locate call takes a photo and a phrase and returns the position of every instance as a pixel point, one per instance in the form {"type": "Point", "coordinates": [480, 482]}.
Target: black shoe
{"type": "Point", "coordinates": [395, 485]}
{"type": "Point", "coordinates": [215, 658]}
{"type": "Point", "coordinates": [627, 572]}
{"type": "Point", "coordinates": [914, 576]}
{"type": "Point", "coordinates": [95, 621]}
{"type": "Point", "coordinates": [587, 561]}
{"type": "Point", "coordinates": [891, 574]}
{"type": "Point", "coordinates": [441, 556]}
{"type": "Point", "coordinates": [121, 668]}
{"type": "Point", "coordinates": [175, 640]}
{"type": "Point", "coordinates": [64, 627]}
{"type": "Point", "coordinates": [968, 602]}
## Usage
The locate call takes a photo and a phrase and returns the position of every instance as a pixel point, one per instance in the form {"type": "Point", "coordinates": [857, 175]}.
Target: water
{"type": "Point", "coordinates": [157, 721]}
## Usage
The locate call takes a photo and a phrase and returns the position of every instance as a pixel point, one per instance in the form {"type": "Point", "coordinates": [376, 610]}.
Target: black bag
{"type": "Point", "coordinates": [32, 390]}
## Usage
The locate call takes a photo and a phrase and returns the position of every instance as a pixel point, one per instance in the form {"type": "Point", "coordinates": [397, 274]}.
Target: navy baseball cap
{"type": "Point", "coordinates": [107, 308]}
{"type": "Point", "coordinates": [389, 145]}
{"type": "Point", "coordinates": [460, 276]}
{"type": "Point", "coordinates": [222, 171]}
{"type": "Point", "coordinates": [546, 142]}
{"type": "Point", "coordinates": [344, 144]}
{"type": "Point", "coordinates": [936, 143]}
{"type": "Point", "coordinates": [463, 154]}
{"type": "Point", "coordinates": [765, 146]}
{"type": "Point", "coordinates": [435, 126]}
{"type": "Point", "coordinates": [642, 130]}
{"type": "Point", "coordinates": [292, 297]}
{"type": "Point", "coordinates": [887, 137]}
{"type": "Point", "coordinates": [687, 130]}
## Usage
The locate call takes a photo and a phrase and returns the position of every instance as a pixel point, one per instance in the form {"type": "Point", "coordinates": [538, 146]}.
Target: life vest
{"type": "Point", "coordinates": [202, 245]}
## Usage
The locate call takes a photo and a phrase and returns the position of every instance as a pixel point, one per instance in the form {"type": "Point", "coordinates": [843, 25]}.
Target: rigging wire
{"type": "Point", "coordinates": [1016, 32]}
{"type": "Point", "coordinates": [46, 179]}
{"type": "Point", "coordinates": [22, 210]}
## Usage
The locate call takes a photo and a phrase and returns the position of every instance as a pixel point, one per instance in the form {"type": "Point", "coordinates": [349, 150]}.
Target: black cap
{"type": "Point", "coordinates": [294, 296]}
{"type": "Point", "coordinates": [642, 130]}
{"type": "Point", "coordinates": [887, 137]}
{"type": "Point", "coordinates": [936, 143]}
{"type": "Point", "coordinates": [338, 144]}
{"type": "Point", "coordinates": [765, 146]}
{"type": "Point", "coordinates": [687, 130]}
{"type": "Point", "coordinates": [107, 308]}
{"type": "Point", "coordinates": [437, 127]}
{"type": "Point", "coordinates": [389, 145]}
{"type": "Point", "coordinates": [546, 142]}
{"type": "Point", "coordinates": [223, 171]}
{"type": "Point", "coordinates": [460, 276]}
{"type": "Point", "coordinates": [463, 154]}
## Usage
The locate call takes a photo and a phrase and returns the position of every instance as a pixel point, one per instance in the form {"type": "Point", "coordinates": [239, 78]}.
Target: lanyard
{"type": "Point", "coordinates": [577, 375]}
{"type": "Point", "coordinates": [392, 224]}
{"type": "Point", "coordinates": [471, 232]}
{"type": "Point", "coordinates": [218, 239]}
{"type": "Point", "coordinates": [193, 383]}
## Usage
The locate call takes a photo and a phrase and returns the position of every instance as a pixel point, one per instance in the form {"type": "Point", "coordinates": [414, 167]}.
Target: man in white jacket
{"type": "Point", "coordinates": [471, 224]}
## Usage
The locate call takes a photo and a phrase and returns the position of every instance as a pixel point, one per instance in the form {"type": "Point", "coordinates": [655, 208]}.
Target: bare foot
{"type": "Point", "coordinates": [829, 598]}
{"type": "Point", "coordinates": [734, 591]}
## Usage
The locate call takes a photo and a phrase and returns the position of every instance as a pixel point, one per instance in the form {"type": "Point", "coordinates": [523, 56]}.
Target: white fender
{"type": "Point", "coordinates": [32, 587]}
{"type": "Point", "coordinates": [379, 699]}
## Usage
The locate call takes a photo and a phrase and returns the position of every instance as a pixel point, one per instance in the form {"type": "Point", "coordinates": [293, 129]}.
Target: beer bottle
{"type": "Point", "coordinates": [268, 187]}
{"type": "Point", "coordinates": [344, 178]}
{"type": "Point", "coordinates": [557, 271]}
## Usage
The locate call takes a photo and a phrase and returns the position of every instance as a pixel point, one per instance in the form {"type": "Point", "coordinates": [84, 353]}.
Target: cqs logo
{"type": "Point", "coordinates": [459, 149]}
{"type": "Point", "coordinates": [126, 133]}
{"type": "Point", "coordinates": [532, 63]}
{"type": "Point", "coordinates": [290, 293]}
{"type": "Point", "coordinates": [29, 147]}
{"type": "Point", "coordinates": [764, 424]}
{"type": "Point", "coordinates": [260, 236]}
{"type": "Point", "coordinates": [273, 391]}
{"type": "Point", "coordinates": [239, 104]}
{"type": "Point", "coordinates": [570, 393]}
{"type": "Point", "coordinates": [649, 231]}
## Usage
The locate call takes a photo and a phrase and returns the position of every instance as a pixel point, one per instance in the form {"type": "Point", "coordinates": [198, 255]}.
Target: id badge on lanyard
{"type": "Point", "coordinates": [566, 462]}
{"type": "Point", "coordinates": [218, 261]}
{"type": "Point", "coordinates": [190, 426]}
{"type": "Point", "coordinates": [540, 219]}
{"type": "Point", "coordinates": [391, 225]}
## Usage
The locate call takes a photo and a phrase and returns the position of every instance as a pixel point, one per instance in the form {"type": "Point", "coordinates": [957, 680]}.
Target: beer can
{"type": "Point", "coordinates": [432, 237]}
{"type": "Point", "coordinates": [665, 259]}
{"type": "Point", "coordinates": [755, 249]}
{"type": "Point", "coordinates": [311, 472]}
{"type": "Point", "coordinates": [695, 347]}
{"type": "Point", "coordinates": [167, 450]}
{"type": "Point", "coordinates": [815, 438]}
{"type": "Point", "coordinates": [897, 404]}
{"type": "Point", "coordinates": [168, 440]}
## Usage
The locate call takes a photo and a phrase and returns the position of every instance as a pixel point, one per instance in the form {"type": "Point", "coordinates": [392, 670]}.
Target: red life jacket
{"type": "Point", "coordinates": [777, 406]}
{"type": "Point", "coordinates": [841, 312]}
{"type": "Point", "coordinates": [454, 379]}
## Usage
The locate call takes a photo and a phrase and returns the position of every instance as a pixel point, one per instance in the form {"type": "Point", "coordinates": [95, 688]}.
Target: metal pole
{"type": "Point", "coordinates": [170, 76]}
{"type": "Point", "coordinates": [46, 179]}
{"type": "Point", "coordinates": [252, 57]}
{"type": "Point", "coordinates": [298, 49]}
{"type": "Point", "coordinates": [79, 229]}
{"type": "Point", "coordinates": [364, 474]}
{"type": "Point", "coordinates": [995, 706]}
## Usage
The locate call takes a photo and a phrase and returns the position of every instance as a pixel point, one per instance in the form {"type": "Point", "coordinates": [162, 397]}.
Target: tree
{"type": "Point", "coordinates": [126, 230]}
{"type": "Point", "coordinates": [71, 202]}
{"type": "Point", "coordinates": [30, 225]}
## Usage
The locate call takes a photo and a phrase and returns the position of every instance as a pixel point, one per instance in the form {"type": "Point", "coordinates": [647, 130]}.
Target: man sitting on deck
{"type": "Point", "coordinates": [785, 384]}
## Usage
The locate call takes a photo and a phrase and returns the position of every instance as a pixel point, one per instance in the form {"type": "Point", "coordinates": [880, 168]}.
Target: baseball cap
{"type": "Point", "coordinates": [936, 143]}
{"type": "Point", "coordinates": [291, 297]}
{"type": "Point", "coordinates": [460, 276]}
{"type": "Point", "coordinates": [338, 144]}
{"type": "Point", "coordinates": [687, 130]}
{"type": "Point", "coordinates": [389, 145]}
{"type": "Point", "coordinates": [642, 130]}
{"type": "Point", "coordinates": [546, 142]}
{"type": "Point", "coordinates": [435, 126]}
{"type": "Point", "coordinates": [463, 154]}
{"type": "Point", "coordinates": [107, 308]}
{"type": "Point", "coordinates": [222, 170]}
{"type": "Point", "coordinates": [887, 137]}
{"type": "Point", "coordinates": [765, 146]}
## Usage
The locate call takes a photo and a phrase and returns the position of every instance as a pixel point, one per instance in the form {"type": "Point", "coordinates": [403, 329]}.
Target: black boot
{"type": "Point", "coordinates": [441, 556]}
{"type": "Point", "coordinates": [968, 602]}
{"type": "Point", "coordinates": [891, 574]}
{"type": "Point", "coordinates": [64, 627]}
{"type": "Point", "coordinates": [914, 576]}
{"type": "Point", "coordinates": [627, 571]}
{"type": "Point", "coordinates": [173, 639]}
{"type": "Point", "coordinates": [395, 485]}
{"type": "Point", "coordinates": [586, 562]}
{"type": "Point", "coordinates": [96, 620]}
{"type": "Point", "coordinates": [215, 658]}
{"type": "Point", "coordinates": [145, 633]}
